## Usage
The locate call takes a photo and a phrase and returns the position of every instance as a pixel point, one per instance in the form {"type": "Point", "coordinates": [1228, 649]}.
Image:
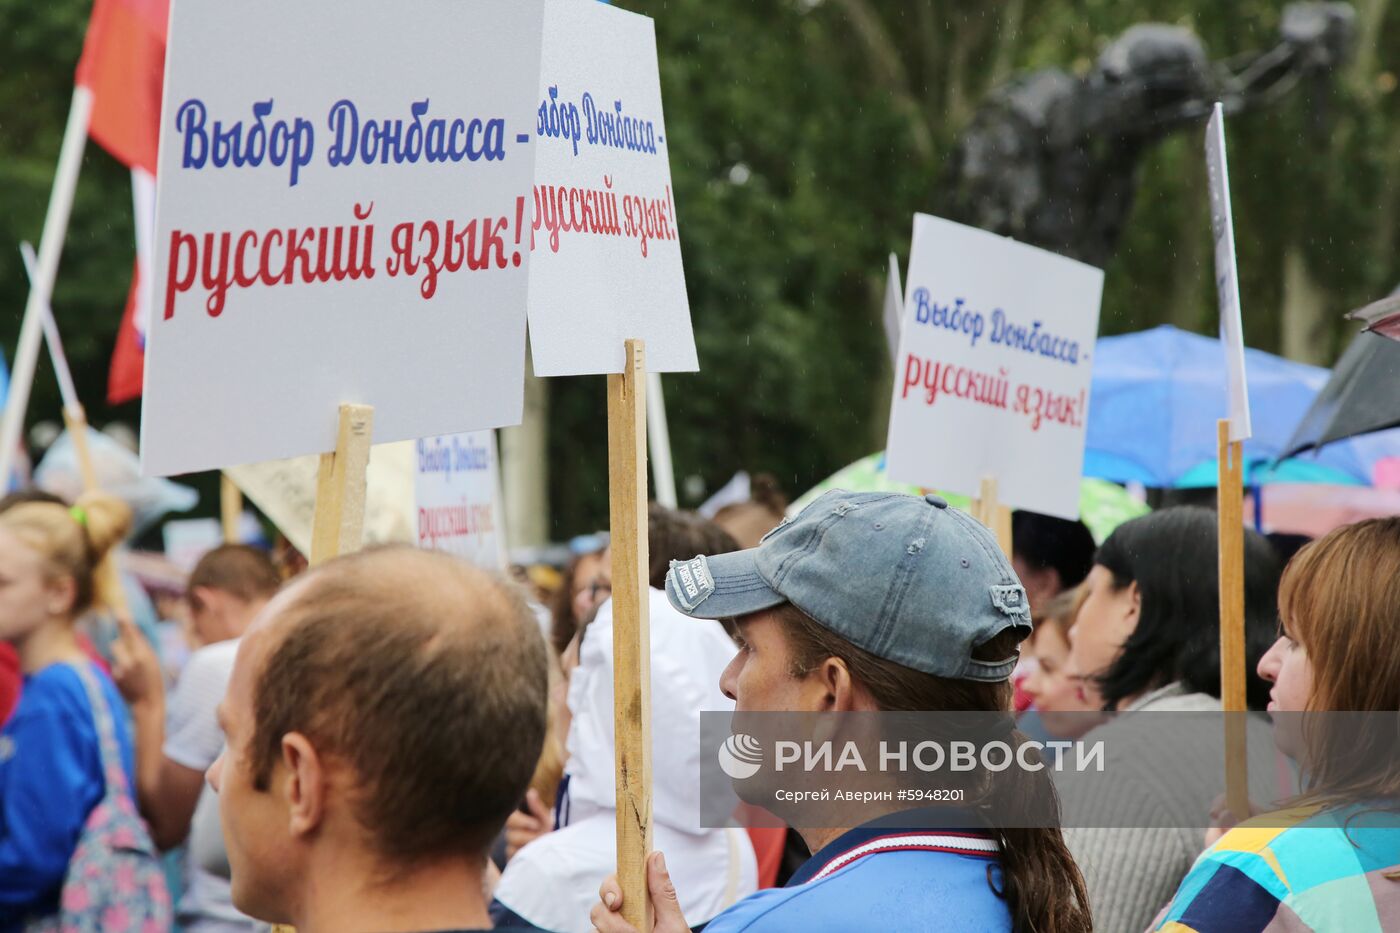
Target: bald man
{"type": "Point", "coordinates": [384, 717]}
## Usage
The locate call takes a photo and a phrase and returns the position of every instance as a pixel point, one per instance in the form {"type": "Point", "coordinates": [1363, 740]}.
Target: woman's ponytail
{"type": "Point", "coordinates": [106, 521]}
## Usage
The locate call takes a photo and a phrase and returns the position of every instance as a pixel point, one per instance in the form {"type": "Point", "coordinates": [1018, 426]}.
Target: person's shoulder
{"type": "Point", "coordinates": [217, 656]}
{"type": "Point", "coordinates": [1309, 845]}
{"type": "Point", "coordinates": [1248, 868]}
{"type": "Point", "coordinates": [896, 889]}
{"type": "Point", "coordinates": [1239, 878]}
{"type": "Point", "coordinates": [56, 690]}
{"type": "Point", "coordinates": [206, 674]}
{"type": "Point", "coordinates": [555, 877]}
{"type": "Point", "coordinates": [53, 709]}
{"type": "Point", "coordinates": [1304, 861]}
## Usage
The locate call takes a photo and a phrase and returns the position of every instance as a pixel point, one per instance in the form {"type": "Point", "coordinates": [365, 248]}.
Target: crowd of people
{"type": "Point", "coordinates": [398, 741]}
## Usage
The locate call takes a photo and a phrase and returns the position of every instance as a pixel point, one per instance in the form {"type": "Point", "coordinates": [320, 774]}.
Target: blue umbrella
{"type": "Point", "coordinates": [1156, 396]}
{"type": "Point", "coordinates": [1263, 473]}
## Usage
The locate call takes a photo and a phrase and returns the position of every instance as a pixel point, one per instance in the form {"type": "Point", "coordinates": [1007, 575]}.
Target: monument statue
{"type": "Point", "coordinates": [1051, 159]}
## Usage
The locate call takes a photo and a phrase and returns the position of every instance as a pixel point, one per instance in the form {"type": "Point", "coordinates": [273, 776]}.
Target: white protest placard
{"type": "Point", "coordinates": [606, 262]}
{"type": "Point", "coordinates": [457, 490]}
{"type": "Point", "coordinates": [1227, 279]}
{"type": "Point", "coordinates": [342, 217]}
{"type": "Point", "coordinates": [994, 368]}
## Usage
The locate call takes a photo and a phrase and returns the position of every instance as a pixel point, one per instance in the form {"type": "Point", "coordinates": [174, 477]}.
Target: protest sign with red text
{"type": "Point", "coordinates": [994, 365]}
{"type": "Point", "coordinates": [606, 262]}
{"type": "Point", "coordinates": [456, 485]}
{"type": "Point", "coordinates": [341, 218]}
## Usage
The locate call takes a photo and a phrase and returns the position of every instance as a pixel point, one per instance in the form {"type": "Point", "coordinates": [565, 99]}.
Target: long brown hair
{"type": "Point", "coordinates": [1340, 599]}
{"type": "Point", "coordinates": [1041, 882]}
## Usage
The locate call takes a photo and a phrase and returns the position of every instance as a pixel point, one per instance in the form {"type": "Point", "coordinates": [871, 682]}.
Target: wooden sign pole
{"type": "Point", "coordinates": [230, 508]}
{"type": "Point", "coordinates": [990, 512]}
{"type": "Point", "coordinates": [339, 523]}
{"type": "Point", "coordinates": [1230, 490]}
{"type": "Point", "coordinates": [977, 510]}
{"type": "Point", "coordinates": [627, 493]}
{"type": "Point", "coordinates": [1001, 525]}
{"type": "Point", "coordinates": [75, 420]}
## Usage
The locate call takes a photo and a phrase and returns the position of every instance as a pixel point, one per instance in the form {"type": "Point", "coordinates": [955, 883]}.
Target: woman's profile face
{"type": "Point", "coordinates": [1286, 666]}
{"type": "Point", "coordinates": [27, 597]}
{"type": "Point", "coordinates": [1105, 621]}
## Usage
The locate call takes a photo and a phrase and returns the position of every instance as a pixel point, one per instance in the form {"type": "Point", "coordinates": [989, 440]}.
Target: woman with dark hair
{"type": "Point", "coordinates": [1148, 634]}
{"type": "Point", "coordinates": [1150, 618]}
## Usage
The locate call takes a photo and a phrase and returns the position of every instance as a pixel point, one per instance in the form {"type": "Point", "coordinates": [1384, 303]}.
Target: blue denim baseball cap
{"type": "Point", "coordinates": [908, 579]}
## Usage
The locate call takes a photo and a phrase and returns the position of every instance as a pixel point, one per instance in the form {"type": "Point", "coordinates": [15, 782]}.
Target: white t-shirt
{"type": "Point", "coordinates": [193, 739]}
{"type": "Point", "coordinates": [553, 881]}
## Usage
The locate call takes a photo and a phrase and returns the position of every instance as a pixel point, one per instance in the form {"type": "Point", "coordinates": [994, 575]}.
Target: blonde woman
{"type": "Point", "coordinates": [52, 774]}
{"type": "Point", "coordinates": [1331, 860]}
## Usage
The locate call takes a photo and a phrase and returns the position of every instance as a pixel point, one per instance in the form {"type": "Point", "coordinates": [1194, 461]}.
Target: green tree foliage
{"type": "Point", "coordinates": [39, 44]}
{"type": "Point", "coordinates": [803, 134]}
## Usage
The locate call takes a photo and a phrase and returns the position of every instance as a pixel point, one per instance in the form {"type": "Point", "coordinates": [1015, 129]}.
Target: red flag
{"type": "Point", "coordinates": [129, 358]}
{"type": "Point", "coordinates": [123, 65]}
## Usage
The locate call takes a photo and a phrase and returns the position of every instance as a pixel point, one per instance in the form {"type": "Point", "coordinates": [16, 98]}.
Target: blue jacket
{"type": "Point", "coordinates": [50, 779]}
{"type": "Point", "coordinates": [878, 878]}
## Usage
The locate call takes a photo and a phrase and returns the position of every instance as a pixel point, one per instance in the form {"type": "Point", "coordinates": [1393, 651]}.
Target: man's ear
{"type": "Point", "coordinates": [306, 784]}
{"type": "Point", "coordinates": [841, 692]}
{"type": "Point", "coordinates": [208, 597]}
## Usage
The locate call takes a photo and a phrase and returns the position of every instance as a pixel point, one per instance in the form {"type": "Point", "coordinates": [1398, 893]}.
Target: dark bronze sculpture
{"type": "Point", "coordinates": [1051, 159]}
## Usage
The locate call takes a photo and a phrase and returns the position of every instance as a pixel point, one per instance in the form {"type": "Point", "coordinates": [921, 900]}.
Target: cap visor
{"type": "Point", "coordinates": [739, 589]}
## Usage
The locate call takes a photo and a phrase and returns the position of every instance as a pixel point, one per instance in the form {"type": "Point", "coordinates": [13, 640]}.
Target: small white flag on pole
{"type": "Point", "coordinates": [894, 310]}
{"type": "Point", "coordinates": [1227, 280]}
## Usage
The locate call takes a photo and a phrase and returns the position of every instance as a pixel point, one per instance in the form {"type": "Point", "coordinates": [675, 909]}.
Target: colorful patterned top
{"type": "Point", "coordinates": [1307, 870]}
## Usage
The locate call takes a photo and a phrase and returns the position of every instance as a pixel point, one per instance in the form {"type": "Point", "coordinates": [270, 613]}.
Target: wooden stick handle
{"type": "Point", "coordinates": [627, 491]}
{"type": "Point", "coordinates": [109, 579]}
{"type": "Point", "coordinates": [339, 523]}
{"type": "Point", "coordinates": [1230, 491]}
{"type": "Point", "coordinates": [75, 420]}
{"type": "Point", "coordinates": [1001, 524]}
{"type": "Point", "coordinates": [988, 510]}
{"type": "Point", "coordinates": [230, 508]}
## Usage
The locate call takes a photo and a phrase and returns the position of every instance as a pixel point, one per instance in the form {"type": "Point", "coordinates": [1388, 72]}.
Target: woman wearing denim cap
{"type": "Point", "coordinates": [880, 602]}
